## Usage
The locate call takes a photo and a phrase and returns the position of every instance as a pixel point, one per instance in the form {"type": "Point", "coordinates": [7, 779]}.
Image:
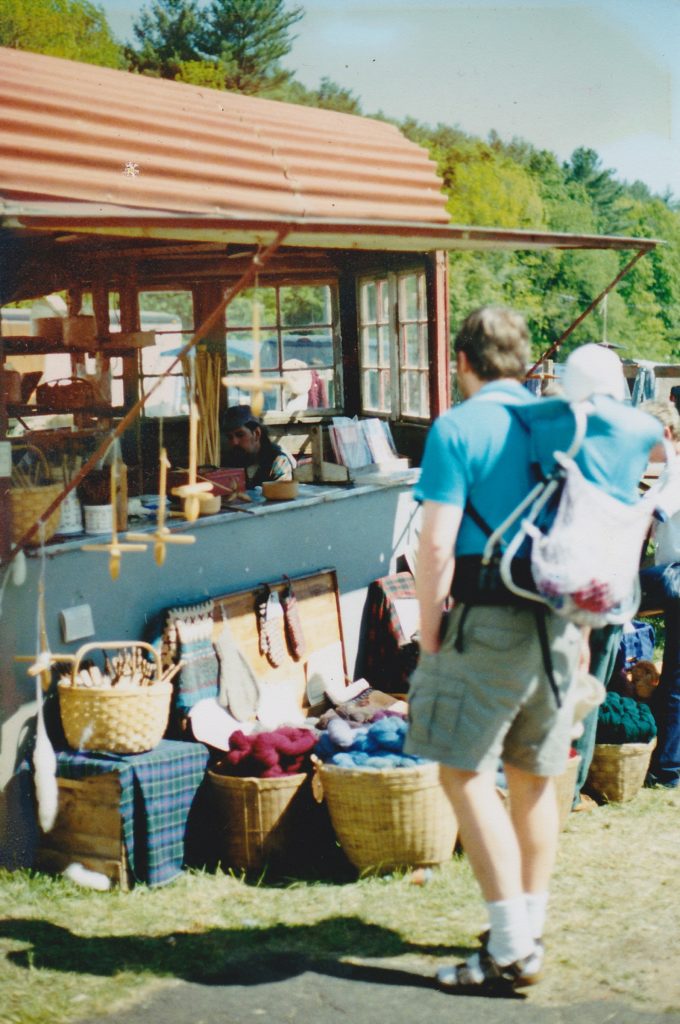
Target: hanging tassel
{"type": "Point", "coordinates": [44, 758]}
{"type": "Point", "coordinates": [45, 770]}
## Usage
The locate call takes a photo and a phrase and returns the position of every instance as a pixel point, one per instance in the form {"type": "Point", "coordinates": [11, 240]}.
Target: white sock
{"type": "Point", "coordinates": [537, 905]}
{"type": "Point", "coordinates": [511, 938]}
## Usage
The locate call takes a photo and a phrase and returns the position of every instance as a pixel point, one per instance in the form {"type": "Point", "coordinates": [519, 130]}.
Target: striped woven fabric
{"type": "Point", "coordinates": [188, 637]}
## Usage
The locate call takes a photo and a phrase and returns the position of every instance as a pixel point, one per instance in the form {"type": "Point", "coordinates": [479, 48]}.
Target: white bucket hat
{"type": "Point", "coordinates": [593, 370]}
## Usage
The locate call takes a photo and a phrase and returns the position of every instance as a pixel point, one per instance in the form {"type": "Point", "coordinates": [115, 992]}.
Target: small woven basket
{"type": "Point", "coordinates": [116, 721]}
{"type": "Point", "coordinates": [29, 501]}
{"type": "Point", "coordinates": [617, 770]}
{"type": "Point", "coordinates": [390, 818]}
{"type": "Point", "coordinates": [258, 819]}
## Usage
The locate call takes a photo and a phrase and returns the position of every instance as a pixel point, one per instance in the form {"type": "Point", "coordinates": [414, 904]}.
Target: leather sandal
{"type": "Point", "coordinates": [481, 974]}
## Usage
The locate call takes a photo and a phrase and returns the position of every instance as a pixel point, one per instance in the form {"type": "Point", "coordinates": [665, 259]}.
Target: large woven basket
{"type": "Point", "coordinates": [111, 719]}
{"type": "Point", "coordinates": [390, 818]}
{"type": "Point", "coordinates": [258, 820]}
{"type": "Point", "coordinates": [28, 503]}
{"type": "Point", "coordinates": [617, 770]}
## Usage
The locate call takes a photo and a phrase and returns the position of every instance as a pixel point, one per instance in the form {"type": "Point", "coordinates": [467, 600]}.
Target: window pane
{"type": "Point", "coordinates": [384, 335]}
{"type": "Point", "coordinates": [169, 399]}
{"type": "Point", "coordinates": [370, 389]}
{"type": "Point", "coordinates": [408, 298]}
{"type": "Point", "coordinates": [239, 312]}
{"type": "Point", "coordinates": [385, 393]}
{"type": "Point", "coordinates": [411, 345]}
{"type": "Point", "coordinates": [424, 358]}
{"type": "Point", "coordinates": [163, 310]}
{"type": "Point", "coordinates": [314, 348]}
{"type": "Point", "coordinates": [384, 306]}
{"type": "Point", "coordinates": [369, 304]}
{"type": "Point", "coordinates": [240, 350]}
{"type": "Point", "coordinates": [305, 304]}
{"type": "Point", "coordinates": [369, 353]}
{"type": "Point", "coordinates": [424, 409]}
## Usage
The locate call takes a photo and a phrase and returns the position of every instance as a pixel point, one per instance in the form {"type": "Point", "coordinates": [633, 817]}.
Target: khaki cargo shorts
{"type": "Point", "coordinates": [493, 701]}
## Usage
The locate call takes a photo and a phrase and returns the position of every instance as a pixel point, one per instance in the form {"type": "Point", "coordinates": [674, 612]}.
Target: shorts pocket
{"type": "Point", "coordinates": [433, 716]}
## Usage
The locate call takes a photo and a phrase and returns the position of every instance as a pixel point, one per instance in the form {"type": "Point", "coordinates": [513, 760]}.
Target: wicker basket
{"type": "Point", "coordinates": [565, 785]}
{"type": "Point", "coordinates": [391, 818]}
{"type": "Point", "coordinates": [113, 720]}
{"type": "Point", "coordinates": [617, 770]}
{"type": "Point", "coordinates": [258, 819]}
{"type": "Point", "coordinates": [28, 502]}
{"type": "Point", "coordinates": [67, 394]}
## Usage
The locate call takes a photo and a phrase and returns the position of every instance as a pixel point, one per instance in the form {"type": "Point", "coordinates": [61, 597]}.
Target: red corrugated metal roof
{"type": "Point", "coordinates": [68, 131]}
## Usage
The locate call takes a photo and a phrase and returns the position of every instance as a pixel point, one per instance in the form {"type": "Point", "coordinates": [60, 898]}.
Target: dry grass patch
{"type": "Point", "coordinates": [69, 954]}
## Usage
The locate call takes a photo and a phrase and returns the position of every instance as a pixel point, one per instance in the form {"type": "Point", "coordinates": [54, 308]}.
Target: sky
{"type": "Point", "coordinates": [558, 73]}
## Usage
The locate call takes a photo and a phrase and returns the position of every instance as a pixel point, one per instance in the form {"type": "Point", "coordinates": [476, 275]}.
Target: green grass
{"type": "Point", "coordinates": [68, 953]}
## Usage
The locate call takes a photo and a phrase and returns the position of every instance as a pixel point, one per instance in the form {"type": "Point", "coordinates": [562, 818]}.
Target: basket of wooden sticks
{"type": "Point", "coordinates": [31, 494]}
{"type": "Point", "coordinates": [122, 709]}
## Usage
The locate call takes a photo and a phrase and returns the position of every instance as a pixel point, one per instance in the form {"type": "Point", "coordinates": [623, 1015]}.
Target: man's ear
{"type": "Point", "coordinates": [257, 433]}
{"type": "Point", "coordinates": [462, 362]}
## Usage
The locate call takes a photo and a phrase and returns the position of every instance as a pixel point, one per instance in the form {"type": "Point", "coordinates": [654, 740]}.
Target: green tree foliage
{"type": "Point", "coordinates": [167, 34]}
{"type": "Point", "coordinates": [75, 29]}
{"type": "Point", "coordinates": [228, 44]}
{"type": "Point", "coordinates": [250, 37]}
{"type": "Point", "coordinates": [607, 195]}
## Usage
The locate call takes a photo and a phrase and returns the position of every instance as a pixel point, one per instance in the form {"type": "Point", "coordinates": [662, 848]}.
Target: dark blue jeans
{"type": "Point", "coordinates": [661, 589]}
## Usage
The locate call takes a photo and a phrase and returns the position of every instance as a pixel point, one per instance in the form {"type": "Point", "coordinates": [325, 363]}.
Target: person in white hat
{"type": "Point", "coordinates": [594, 370]}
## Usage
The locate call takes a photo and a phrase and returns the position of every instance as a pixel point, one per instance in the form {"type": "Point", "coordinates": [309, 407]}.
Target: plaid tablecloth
{"type": "Point", "coordinates": [389, 657]}
{"type": "Point", "coordinates": [157, 792]}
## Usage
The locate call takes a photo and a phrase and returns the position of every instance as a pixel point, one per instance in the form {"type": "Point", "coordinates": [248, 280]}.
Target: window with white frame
{"type": "Point", "coordinates": [296, 346]}
{"type": "Point", "coordinates": [393, 332]}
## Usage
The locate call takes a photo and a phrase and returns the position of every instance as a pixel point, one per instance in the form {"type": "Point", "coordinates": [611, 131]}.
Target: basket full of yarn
{"type": "Point", "coordinates": [388, 809]}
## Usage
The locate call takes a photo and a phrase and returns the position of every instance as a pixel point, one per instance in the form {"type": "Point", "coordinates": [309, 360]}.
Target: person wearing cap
{"type": "Point", "coordinates": [481, 691]}
{"type": "Point", "coordinates": [619, 441]}
{"type": "Point", "coordinates": [247, 445]}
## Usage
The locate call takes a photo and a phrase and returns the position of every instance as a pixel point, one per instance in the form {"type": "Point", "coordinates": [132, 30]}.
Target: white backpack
{"type": "Point", "coordinates": [585, 562]}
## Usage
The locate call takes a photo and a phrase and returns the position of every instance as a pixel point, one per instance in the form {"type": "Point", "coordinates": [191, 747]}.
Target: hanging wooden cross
{"type": "Point", "coordinates": [162, 535]}
{"type": "Point", "coordinates": [255, 382]}
{"type": "Point", "coordinates": [115, 548]}
{"type": "Point", "coordinates": [194, 487]}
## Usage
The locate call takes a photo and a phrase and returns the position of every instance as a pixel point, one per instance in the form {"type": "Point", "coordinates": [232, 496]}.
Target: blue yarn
{"type": "Point", "coordinates": [387, 734]}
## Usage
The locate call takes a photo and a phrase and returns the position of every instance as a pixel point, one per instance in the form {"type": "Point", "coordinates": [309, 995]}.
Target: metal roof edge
{"type": "Point", "coordinates": [87, 218]}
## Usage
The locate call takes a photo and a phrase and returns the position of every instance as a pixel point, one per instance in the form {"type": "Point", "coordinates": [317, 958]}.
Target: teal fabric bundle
{"type": "Point", "coordinates": [624, 720]}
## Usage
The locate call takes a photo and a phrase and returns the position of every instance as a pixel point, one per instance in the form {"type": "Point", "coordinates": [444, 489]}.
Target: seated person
{"type": "Point", "coordinates": [247, 445]}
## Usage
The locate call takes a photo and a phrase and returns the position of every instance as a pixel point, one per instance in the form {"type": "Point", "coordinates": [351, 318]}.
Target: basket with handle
{"type": "Point", "coordinates": [66, 394]}
{"type": "Point", "coordinates": [389, 818]}
{"type": "Point", "coordinates": [30, 497]}
{"type": "Point", "coordinates": [122, 719]}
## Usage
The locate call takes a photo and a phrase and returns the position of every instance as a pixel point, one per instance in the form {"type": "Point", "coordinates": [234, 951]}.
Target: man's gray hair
{"type": "Point", "coordinates": [496, 343]}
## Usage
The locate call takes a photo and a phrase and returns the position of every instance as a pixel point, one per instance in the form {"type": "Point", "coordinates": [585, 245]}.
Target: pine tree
{"type": "Point", "coordinates": [167, 32]}
{"type": "Point", "coordinates": [250, 37]}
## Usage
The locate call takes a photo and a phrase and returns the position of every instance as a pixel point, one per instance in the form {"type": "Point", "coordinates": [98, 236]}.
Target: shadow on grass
{"type": "Point", "coordinates": [222, 956]}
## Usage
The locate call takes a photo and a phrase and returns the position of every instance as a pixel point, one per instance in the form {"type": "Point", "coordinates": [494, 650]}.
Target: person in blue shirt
{"type": "Point", "coordinates": [481, 692]}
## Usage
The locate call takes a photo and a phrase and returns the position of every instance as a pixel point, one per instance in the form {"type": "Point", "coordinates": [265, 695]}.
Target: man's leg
{"type": "Point", "coordinates": [533, 807]}
{"type": "Point", "coordinates": [491, 844]}
{"type": "Point", "coordinates": [486, 832]}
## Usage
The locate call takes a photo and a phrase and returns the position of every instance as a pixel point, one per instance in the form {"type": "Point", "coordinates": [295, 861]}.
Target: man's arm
{"type": "Point", "coordinates": [434, 568]}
